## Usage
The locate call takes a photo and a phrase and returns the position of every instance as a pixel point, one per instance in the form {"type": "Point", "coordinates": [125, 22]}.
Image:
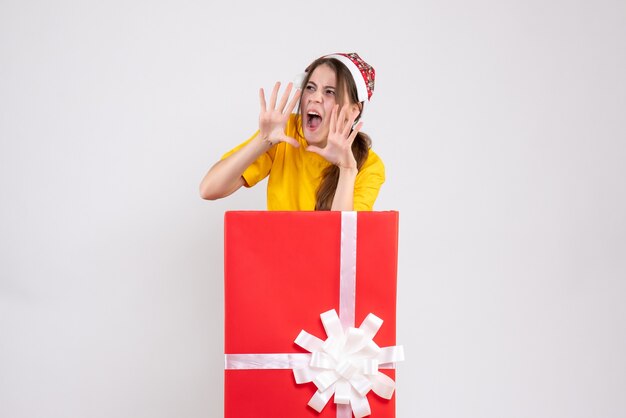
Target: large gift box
{"type": "Point", "coordinates": [310, 314]}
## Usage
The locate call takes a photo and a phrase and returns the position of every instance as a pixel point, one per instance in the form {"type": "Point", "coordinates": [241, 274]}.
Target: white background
{"type": "Point", "coordinates": [503, 128]}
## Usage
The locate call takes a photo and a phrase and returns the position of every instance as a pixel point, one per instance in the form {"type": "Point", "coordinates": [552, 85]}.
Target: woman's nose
{"type": "Point", "coordinates": [316, 96]}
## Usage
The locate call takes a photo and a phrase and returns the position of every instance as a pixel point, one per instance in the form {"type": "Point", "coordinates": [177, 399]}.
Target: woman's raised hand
{"type": "Point", "coordinates": [273, 120]}
{"type": "Point", "coordinates": [338, 149]}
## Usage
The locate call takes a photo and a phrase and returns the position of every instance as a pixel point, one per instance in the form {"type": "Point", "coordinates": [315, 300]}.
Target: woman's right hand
{"type": "Point", "coordinates": [273, 120]}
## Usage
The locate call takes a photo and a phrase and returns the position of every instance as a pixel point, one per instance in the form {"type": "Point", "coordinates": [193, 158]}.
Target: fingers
{"type": "Point", "coordinates": [283, 100]}
{"type": "Point", "coordinates": [355, 131]}
{"type": "Point", "coordinates": [294, 101]}
{"type": "Point", "coordinates": [262, 100]}
{"type": "Point", "coordinates": [333, 119]}
{"type": "Point", "coordinates": [341, 120]}
{"type": "Point", "coordinates": [348, 121]}
{"type": "Point", "coordinates": [274, 96]}
{"type": "Point", "coordinates": [338, 123]}
{"type": "Point", "coordinates": [290, 141]}
{"type": "Point", "coordinates": [315, 149]}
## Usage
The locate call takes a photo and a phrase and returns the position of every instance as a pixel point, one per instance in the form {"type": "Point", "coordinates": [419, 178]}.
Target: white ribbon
{"type": "Point", "coordinates": [347, 276]}
{"type": "Point", "coordinates": [347, 363]}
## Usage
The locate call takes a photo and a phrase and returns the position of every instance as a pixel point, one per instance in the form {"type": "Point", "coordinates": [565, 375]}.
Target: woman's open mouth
{"type": "Point", "coordinates": [313, 120]}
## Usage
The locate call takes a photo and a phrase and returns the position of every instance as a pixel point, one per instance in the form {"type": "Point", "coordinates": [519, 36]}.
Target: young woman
{"type": "Point", "coordinates": [316, 159]}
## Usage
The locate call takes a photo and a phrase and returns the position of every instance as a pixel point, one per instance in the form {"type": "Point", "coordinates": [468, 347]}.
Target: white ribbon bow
{"type": "Point", "coordinates": [346, 364]}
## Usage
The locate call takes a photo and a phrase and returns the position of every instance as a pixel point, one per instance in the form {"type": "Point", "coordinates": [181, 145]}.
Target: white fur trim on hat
{"type": "Point", "coordinates": [361, 87]}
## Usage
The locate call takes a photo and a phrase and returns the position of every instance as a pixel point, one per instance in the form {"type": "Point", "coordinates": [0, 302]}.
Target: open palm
{"type": "Point", "coordinates": [338, 148]}
{"type": "Point", "coordinates": [273, 119]}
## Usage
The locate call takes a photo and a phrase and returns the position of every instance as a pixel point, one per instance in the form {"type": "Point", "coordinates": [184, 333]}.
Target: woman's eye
{"type": "Point", "coordinates": [310, 87]}
{"type": "Point", "coordinates": [330, 92]}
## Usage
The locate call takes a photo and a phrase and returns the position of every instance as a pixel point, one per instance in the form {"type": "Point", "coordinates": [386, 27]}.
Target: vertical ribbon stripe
{"type": "Point", "coordinates": [347, 278]}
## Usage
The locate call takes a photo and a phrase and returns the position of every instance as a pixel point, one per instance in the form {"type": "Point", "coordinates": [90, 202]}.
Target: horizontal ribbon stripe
{"type": "Point", "coordinates": [278, 361]}
{"type": "Point", "coordinates": [266, 361]}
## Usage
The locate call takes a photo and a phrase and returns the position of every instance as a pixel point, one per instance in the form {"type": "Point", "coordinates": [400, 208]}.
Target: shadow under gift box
{"type": "Point", "coordinates": [282, 270]}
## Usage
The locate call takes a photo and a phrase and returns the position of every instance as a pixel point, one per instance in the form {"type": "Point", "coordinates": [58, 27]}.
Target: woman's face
{"type": "Point", "coordinates": [317, 101]}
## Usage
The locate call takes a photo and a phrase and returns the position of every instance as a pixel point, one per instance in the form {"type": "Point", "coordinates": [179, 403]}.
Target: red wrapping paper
{"type": "Point", "coordinates": [281, 272]}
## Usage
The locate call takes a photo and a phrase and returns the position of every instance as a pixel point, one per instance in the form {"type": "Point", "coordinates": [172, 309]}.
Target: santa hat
{"type": "Point", "coordinates": [362, 73]}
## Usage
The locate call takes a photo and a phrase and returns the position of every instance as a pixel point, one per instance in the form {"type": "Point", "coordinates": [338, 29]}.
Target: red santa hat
{"type": "Point", "coordinates": [362, 73]}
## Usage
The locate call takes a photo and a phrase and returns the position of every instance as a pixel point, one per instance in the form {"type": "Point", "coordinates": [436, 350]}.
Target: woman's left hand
{"type": "Point", "coordinates": [338, 149]}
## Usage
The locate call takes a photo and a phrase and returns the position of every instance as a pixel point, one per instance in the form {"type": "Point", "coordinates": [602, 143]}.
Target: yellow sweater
{"type": "Point", "coordinates": [295, 174]}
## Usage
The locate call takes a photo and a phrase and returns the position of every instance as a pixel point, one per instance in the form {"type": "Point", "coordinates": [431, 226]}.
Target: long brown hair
{"type": "Point", "coordinates": [362, 143]}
